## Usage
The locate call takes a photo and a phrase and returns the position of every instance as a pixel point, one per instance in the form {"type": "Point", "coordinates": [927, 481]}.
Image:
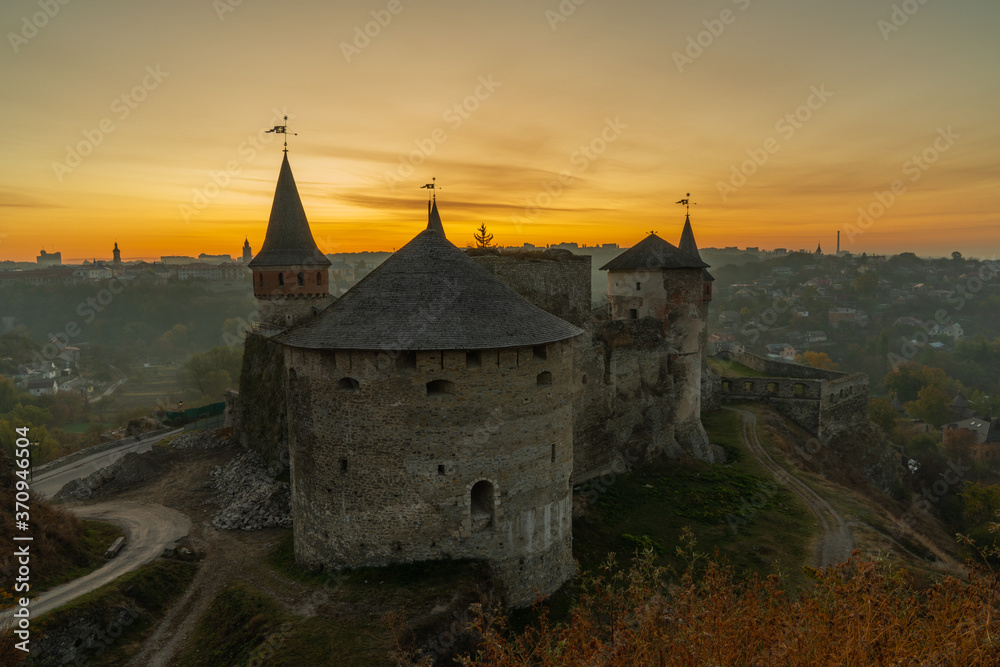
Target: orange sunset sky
{"type": "Point", "coordinates": [583, 120]}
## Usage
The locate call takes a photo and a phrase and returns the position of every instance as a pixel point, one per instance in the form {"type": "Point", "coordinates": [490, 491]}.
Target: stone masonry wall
{"type": "Point", "coordinates": [819, 400]}
{"type": "Point", "coordinates": [261, 423]}
{"type": "Point", "coordinates": [797, 399]}
{"type": "Point", "coordinates": [558, 282]}
{"type": "Point", "coordinates": [628, 392]}
{"type": "Point", "coordinates": [383, 471]}
{"type": "Point", "coordinates": [844, 404]}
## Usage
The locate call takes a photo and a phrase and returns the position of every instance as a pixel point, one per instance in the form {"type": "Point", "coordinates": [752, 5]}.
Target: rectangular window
{"type": "Point", "coordinates": [633, 313]}
{"type": "Point", "coordinates": [343, 466]}
{"type": "Point", "coordinates": [638, 287]}
{"type": "Point", "coordinates": [553, 452]}
{"type": "Point", "coordinates": [441, 469]}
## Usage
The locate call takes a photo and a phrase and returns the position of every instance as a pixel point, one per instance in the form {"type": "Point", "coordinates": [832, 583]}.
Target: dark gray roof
{"type": "Point", "coordinates": [434, 218]}
{"type": "Point", "coordinates": [688, 246]}
{"type": "Point", "coordinates": [706, 276]}
{"type": "Point", "coordinates": [289, 241]}
{"type": "Point", "coordinates": [429, 295]}
{"type": "Point", "coordinates": [653, 253]}
{"type": "Point", "coordinates": [985, 429]}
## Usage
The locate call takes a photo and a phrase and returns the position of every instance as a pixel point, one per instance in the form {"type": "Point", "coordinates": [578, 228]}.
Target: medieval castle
{"type": "Point", "coordinates": [446, 405]}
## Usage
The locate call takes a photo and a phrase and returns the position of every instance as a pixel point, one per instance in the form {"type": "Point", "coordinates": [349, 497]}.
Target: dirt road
{"type": "Point", "coordinates": [835, 544]}
{"type": "Point", "coordinates": [149, 528]}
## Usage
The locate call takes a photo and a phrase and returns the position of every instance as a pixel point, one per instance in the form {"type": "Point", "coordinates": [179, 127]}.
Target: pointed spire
{"type": "Point", "coordinates": [688, 245]}
{"type": "Point", "coordinates": [288, 241]}
{"type": "Point", "coordinates": [434, 218]}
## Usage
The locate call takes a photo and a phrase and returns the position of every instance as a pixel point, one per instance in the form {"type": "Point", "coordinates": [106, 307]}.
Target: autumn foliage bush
{"type": "Point", "coordinates": [862, 612]}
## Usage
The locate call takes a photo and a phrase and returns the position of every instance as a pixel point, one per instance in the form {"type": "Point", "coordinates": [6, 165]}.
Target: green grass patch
{"type": "Point", "coordinates": [729, 368]}
{"type": "Point", "coordinates": [150, 589]}
{"type": "Point", "coordinates": [87, 556]}
{"type": "Point", "coordinates": [238, 622]}
{"type": "Point", "coordinates": [736, 508]}
{"type": "Point", "coordinates": [97, 537]}
{"type": "Point", "coordinates": [349, 622]}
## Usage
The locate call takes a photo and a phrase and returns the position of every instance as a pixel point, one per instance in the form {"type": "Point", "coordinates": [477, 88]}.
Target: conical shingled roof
{"type": "Point", "coordinates": [434, 218]}
{"type": "Point", "coordinates": [653, 253]}
{"type": "Point", "coordinates": [429, 295]}
{"type": "Point", "coordinates": [688, 246]}
{"type": "Point", "coordinates": [289, 241]}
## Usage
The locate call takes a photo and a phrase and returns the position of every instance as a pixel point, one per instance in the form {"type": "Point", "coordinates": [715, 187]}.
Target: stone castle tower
{"type": "Point", "coordinates": [444, 407]}
{"type": "Point", "coordinates": [116, 255]}
{"type": "Point", "coordinates": [247, 253]}
{"type": "Point", "coordinates": [430, 417]}
{"type": "Point", "coordinates": [290, 278]}
{"type": "Point", "coordinates": [670, 283]}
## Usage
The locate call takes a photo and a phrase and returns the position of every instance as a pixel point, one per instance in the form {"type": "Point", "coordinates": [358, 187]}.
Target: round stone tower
{"type": "Point", "coordinates": [290, 278]}
{"type": "Point", "coordinates": [430, 417]}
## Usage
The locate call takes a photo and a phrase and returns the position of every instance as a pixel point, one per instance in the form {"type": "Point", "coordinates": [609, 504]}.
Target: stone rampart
{"type": "Point", "coordinates": [556, 281]}
{"type": "Point", "coordinates": [820, 401]}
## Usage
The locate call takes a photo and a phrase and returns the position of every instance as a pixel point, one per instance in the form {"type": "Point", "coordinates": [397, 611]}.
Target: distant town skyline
{"type": "Point", "coordinates": [548, 121]}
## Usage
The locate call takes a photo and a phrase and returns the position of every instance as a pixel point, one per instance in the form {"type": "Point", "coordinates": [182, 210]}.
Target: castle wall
{"type": "Point", "coordinates": [796, 398]}
{"type": "Point", "coordinates": [772, 368]}
{"type": "Point", "coordinates": [284, 303]}
{"type": "Point", "coordinates": [821, 401]}
{"type": "Point", "coordinates": [558, 282]}
{"type": "Point", "coordinates": [844, 403]}
{"type": "Point", "coordinates": [385, 473]}
{"type": "Point", "coordinates": [260, 421]}
{"type": "Point", "coordinates": [629, 389]}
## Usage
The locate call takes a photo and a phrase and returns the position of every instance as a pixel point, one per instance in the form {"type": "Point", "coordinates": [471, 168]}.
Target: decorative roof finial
{"type": "Point", "coordinates": [282, 129]}
{"type": "Point", "coordinates": [686, 202]}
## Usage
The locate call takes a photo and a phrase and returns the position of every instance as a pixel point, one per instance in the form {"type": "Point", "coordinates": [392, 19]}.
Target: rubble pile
{"type": "Point", "coordinates": [251, 497]}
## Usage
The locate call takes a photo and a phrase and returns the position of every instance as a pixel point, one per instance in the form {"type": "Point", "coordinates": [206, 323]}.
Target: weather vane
{"type": "Point", "coordinates": [686, 202]}
{"type": "Point", "coordinates": [282, 129]}
{"type": "Point", "coordinates": [432, 186]}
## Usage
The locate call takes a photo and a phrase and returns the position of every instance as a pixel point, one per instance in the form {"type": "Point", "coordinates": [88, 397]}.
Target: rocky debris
{"type": "Point", "coordinates": [251, 497]}
{"type": "Point", "coordinates": [141, 425]}
{"type": "Point", "coordinates": [120, 475]}
{"type": "Point", "coordinates": [113, 434]}
{"type": "Point", "coordinates": [134, 468]}
{"type": "Point", "coordinates": [85, 636]}
{"type": "Point", "coordinates": [199, 440]}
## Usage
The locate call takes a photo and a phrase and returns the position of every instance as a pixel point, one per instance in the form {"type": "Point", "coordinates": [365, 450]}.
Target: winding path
{"type": "Point", "coordinates": [148, 530]}
{"type": "Point", "coordinates": [835, 544]}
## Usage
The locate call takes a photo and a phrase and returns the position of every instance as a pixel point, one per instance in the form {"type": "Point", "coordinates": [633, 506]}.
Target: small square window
{"type": "Point", "coordinates": [441, 469]}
